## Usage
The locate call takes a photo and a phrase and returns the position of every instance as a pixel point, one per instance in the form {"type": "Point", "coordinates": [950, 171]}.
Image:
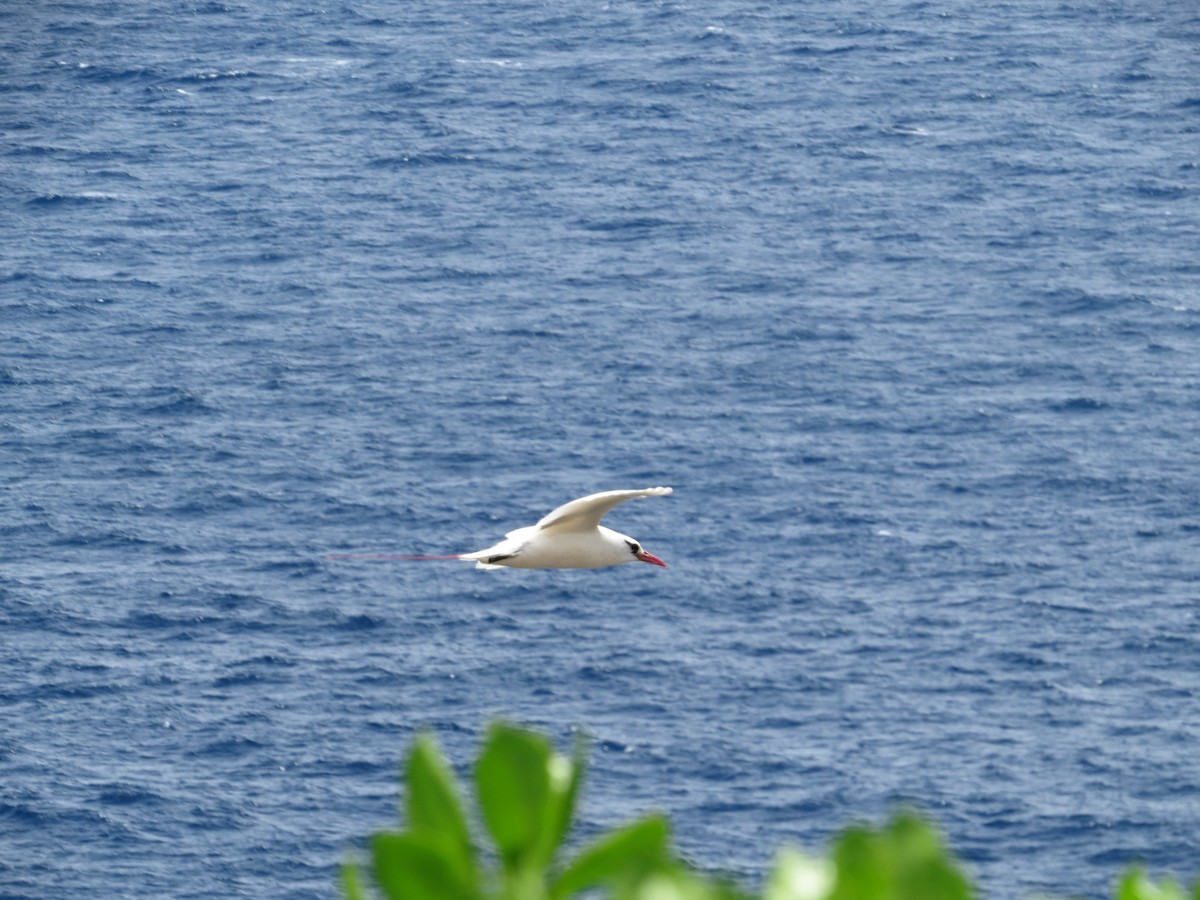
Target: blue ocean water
{"type": "Point", "coordinates": [902, 298]}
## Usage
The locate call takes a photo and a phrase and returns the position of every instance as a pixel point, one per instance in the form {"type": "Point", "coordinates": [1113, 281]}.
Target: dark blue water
{"type": "Point", "coordinates": [903, 298]}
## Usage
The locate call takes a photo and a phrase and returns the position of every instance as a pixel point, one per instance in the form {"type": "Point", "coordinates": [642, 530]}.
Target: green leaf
{"type": "Point", "coordinates": [923, 867]}
{"type": "Point", "coordinates": [352, 882]}
{"type": "Point", "coordinates": [862, 873]}
{"type": "Point", "coordinates": [513, 781]}
{"type": "Point", "coordinates": [418, 866]}
{"type": "Point", "coordinates": [1137, 885]}
{"type": "Point", "coordinates": [903, 861]}
{"type": "Point", "coordinates": [566, 775]}
{"type": "Point", "coordinates": [674, 881]}
{"type": "Point", "coordinates": [797, 876]}
{"type": "Point", "coordinates": [624, 855]}
{"type": "Point", "coordinates": [433, 803]}
{"type": "Point", "coordinates": [1129, 887]}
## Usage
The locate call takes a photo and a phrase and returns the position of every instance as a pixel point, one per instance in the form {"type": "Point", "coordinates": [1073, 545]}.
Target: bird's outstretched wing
{"type": "Point", "coordinates": [585, 513]}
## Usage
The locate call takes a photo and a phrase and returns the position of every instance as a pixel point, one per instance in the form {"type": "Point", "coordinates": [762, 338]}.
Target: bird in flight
{"type": "Point", "coordinates": [570, 537]}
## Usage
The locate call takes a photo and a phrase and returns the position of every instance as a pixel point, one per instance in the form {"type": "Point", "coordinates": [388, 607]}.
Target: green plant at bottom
{"type": "Point", "coordinates": [1137, 885]}
{"type": "Point", "coordinates": [527, 793]}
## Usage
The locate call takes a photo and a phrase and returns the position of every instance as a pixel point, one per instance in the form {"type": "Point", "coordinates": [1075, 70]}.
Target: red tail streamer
{"type": "Point", "coordinates": [383, 556]}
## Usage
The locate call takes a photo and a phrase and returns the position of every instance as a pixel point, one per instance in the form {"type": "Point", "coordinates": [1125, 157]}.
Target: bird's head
{"type": "Point", "coordinates": [636, 549]}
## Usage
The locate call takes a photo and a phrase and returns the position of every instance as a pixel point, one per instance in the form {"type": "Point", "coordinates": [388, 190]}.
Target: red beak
{"type": "Point", "coordinates": [650, 558]}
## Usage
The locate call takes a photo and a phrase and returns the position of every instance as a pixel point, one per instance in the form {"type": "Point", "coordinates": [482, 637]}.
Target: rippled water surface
{"type": "Point", "coordinates": [902, 298]}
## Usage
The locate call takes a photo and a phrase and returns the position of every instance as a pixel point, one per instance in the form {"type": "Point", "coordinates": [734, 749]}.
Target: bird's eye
{"type": "Point", "coordinates": [633, 548]}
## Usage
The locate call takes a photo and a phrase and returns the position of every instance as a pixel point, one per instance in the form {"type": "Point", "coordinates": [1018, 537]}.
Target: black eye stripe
{"type": "Point", "coordinates": [633, 548]}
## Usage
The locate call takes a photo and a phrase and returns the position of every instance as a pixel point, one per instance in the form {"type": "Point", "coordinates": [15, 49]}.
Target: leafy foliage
{"type": "Point", "coordinates": [1136, 885]}
{"type": "Point", "coordinates": [527, 793]}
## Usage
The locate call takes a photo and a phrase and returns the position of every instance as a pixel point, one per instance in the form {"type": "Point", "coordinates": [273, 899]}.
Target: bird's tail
{"type": "Point", "coordinates": [386, 556]}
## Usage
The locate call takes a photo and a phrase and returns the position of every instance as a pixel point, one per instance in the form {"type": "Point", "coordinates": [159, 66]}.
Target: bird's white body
{"type": "Point", "coordinates": [570, 537]}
